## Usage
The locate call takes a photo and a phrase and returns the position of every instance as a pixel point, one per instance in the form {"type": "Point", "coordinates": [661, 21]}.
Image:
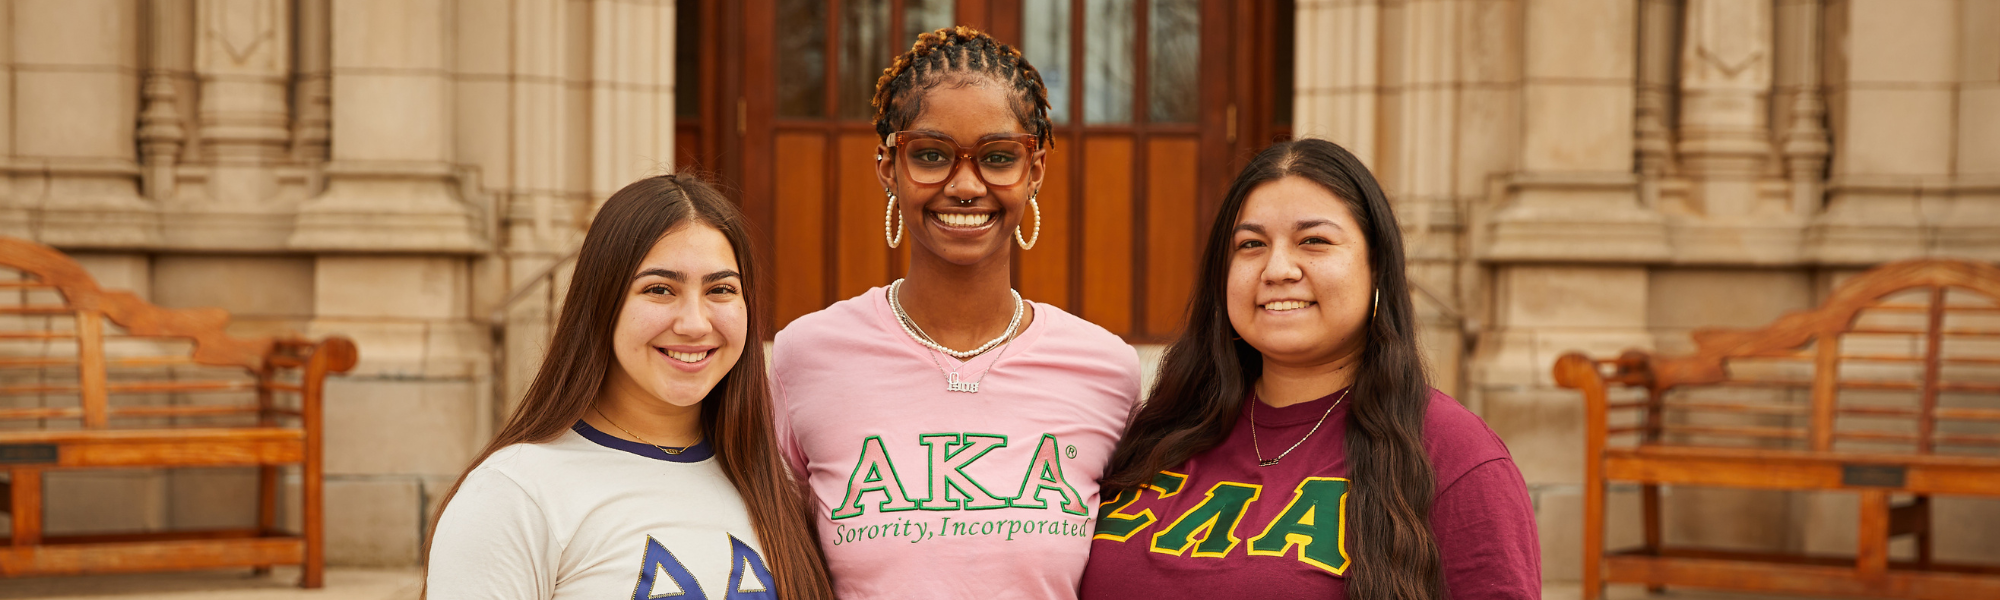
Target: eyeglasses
{"type": "Point", "coordinates": [931, 159]}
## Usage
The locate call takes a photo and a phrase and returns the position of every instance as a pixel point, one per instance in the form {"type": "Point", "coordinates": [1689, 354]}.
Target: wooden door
{"type": "Point", "coordinates": [1156, 103]}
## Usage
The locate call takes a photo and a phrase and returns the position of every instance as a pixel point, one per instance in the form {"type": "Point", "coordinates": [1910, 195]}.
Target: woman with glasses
{"type": "Point", "coordinates": [952, 433]}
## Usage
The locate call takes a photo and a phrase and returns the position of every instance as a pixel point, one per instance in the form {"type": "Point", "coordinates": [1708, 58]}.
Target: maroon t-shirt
{"type": "Point", "coordinates": [1222, 527]}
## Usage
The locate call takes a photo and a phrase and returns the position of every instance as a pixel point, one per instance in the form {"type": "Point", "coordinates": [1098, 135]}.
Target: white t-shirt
{"type": "Point", "coordinates": [925, 492]}
{"type": "Point", "coordinates": [588, 515]}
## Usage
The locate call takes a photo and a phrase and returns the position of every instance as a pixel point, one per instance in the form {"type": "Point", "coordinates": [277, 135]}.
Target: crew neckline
{"type": "Point", "coordinates": [699, 452]}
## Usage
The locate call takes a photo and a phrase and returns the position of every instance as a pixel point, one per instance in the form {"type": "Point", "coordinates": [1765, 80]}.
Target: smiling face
{"type": "Point", "coordinates": [1300, 288]}
{"type": "Point", "coordinates": [684, 321]}
{"type": "Point", "coordinates": [961, 219]}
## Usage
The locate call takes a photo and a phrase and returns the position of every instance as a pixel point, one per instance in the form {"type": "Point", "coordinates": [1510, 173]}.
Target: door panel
{"type": "Point", "coordinates": [800, 238]}
{"type": "Point", "coordinates": [1044, 272]}
{"type": "Point", "coordinates": [1172, 240]}
{"type": "Point", "coordinates": [864, 253]}
{"type": "Point", "coordinates": [1107, 232]}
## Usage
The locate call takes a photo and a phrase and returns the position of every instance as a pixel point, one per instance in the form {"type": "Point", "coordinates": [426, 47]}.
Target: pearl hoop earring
{"type": "Point", "coordinates": [1028, 244]}
{"type": "Point", "coordinates": [895, 238]}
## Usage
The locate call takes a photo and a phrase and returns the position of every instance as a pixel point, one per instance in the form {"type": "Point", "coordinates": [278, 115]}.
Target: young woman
{"type": "Point", "coordinates": [641, 462]}
{"type": "Point", "coordinates": [952, 432]}
{"type": "Point", "coordinates": [1293, 447]}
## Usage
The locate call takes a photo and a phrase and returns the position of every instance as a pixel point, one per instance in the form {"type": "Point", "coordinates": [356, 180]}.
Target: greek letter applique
{"type": "Point", "coordinates": [748, 580]}
{"type": "Point", "coordinates": [661, 575]}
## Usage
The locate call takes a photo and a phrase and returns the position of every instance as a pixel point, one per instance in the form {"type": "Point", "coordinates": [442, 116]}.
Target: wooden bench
{"type": "Point", "coordinates": [96, 379]}
{"type": "Point", "coordinates": [1889, 390]}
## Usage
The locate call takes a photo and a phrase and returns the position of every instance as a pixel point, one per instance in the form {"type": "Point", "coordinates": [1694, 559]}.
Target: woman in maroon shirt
{"type": "Point", "coordinates": [1293, 447]}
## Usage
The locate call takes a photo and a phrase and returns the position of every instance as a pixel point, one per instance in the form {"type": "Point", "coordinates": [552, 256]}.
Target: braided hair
{"type": "Point", "coordinates": [956, 56]}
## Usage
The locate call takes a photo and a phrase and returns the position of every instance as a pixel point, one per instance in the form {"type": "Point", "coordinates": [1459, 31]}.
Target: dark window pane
{"type": "Point", "coordinates": [864, 52]}
{"type": "Point", "coordinates": [1174, 49]}
{"type": "Point", "coordinates": [687, 59]}
{"type": "Point", "coordinates": [802, 58]}
{"type": "Point", "coordinates": [921, 16]}
{"type": "Point", "coordinates": [1107, 61]}
{"type": "Point", "coordinates": [1045, 41]}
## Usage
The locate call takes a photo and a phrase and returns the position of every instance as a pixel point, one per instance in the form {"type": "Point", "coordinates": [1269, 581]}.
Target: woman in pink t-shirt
{"type": "Point", "coordinates": [951, 432]}
{"type": "Point", "coordinates": [1293, 447]}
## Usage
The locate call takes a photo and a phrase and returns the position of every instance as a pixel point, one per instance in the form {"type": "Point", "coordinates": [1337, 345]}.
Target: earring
{"type": "Point", "coordinates": [1377, 305]}
{"type": "Point", "coordinates": [896, 238]}
{"type": "Point", "coordinates": [1027, 244]}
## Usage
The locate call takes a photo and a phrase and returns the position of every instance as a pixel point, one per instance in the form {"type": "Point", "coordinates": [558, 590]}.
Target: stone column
{"type": "Point", "coordinates": [1802, 136]}
{"type": "Point", "coordinates": [1337, 76]}
{"type": "Point", "coordinates": [312, 110]}
{"type": "Point", "coordinates": [391, 184]}
{"type": "Point", "coordinates": [243, 55]}
{"type": "Point", "coordinates": [76, 108]}
{"type": "Point", "coordinates": [1423, 49]}
{"type": "Point", "coordinates": [1725, 84]}
{"type": "Point", "coordinates": [162, 126]}
{"type": "Point", "coordinates": [1659, 36]}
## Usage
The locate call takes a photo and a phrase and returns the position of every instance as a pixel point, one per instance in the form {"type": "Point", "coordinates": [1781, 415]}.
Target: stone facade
{"type": "Point", "coordinates": [387, 170]}
{"type": "Point", "coordinates": [1573, 174]}
{"type": "Point", "coordinates": [1596, 175]}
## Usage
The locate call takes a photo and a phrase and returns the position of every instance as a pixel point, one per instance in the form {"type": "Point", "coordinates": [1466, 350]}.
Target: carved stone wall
{"type": "Point", "coordinates": [1607, 174]}
{"type": "Point", "coordinates": [388, 170]}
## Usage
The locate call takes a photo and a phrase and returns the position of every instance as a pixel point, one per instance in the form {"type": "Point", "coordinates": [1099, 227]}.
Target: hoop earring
{"type": "Point", "coordinates": [896, 238]}
{"type": "Point", "coordinates": [1027, 244]}
{"type": "Point", "coordinates": [1377, 306]}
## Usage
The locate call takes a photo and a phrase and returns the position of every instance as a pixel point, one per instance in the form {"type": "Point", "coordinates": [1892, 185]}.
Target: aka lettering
{"type": "Point", "coordinates": [876, 481]}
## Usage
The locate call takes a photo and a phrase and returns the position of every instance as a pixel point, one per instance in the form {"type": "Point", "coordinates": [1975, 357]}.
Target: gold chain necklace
{"type": "Point", "coordinates": [1281, 456]}
{"type": "Point", "coordinates": [697, 440]}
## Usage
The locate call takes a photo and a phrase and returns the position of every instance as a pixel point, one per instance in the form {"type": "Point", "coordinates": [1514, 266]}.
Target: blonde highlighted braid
{"type": "Point", "coordinates": [955, 55]}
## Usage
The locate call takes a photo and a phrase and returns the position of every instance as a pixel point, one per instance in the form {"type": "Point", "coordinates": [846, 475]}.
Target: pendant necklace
{"type": "Point", "coordinates": [1261, 462]}
{"type": "Point", "coordinates": [951, 381]}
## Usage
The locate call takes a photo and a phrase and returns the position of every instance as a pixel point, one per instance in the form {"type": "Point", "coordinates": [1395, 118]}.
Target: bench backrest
{"type": "Point", "coordinates": [1901, 358]}
{"type": "Point", "coordinates": [68, 347]}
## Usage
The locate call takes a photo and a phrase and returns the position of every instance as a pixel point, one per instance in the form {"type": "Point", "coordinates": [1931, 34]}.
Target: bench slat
{"type": "Point", "coordinates": [150, 556]}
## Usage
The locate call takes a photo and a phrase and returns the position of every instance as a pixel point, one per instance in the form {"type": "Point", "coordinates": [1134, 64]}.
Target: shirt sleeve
{"type": "Point", "coordinates": [1485, 530]}
{"type": "Point", "coordinates": [493, 542]}
{"type": "Point", "coordinates": [781, 421]}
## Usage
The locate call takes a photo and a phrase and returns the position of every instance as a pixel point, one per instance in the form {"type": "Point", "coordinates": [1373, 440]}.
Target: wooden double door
{"type": "Point", "coordinates": [1156, 105]}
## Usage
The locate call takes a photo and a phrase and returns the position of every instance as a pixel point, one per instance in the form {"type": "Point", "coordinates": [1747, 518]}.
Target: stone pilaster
{"type": "Point", "coordinates": [391, 184]}
{"type": "Point", "coordinates": [76, 110]}
{"type": "Point", "coordinates": [1728, 202]}
{"type": "Point", "coordinates": [631, 94]}
{"type": "Point", "coordinates": [1890, 90]}
{"type": "Point", "coordinates": [1575, 197]}
{"type": "Point", "coordinates": [1337, 77]}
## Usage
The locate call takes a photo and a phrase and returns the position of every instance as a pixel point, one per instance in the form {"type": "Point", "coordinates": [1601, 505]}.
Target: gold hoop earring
{"type": "Point", "coordinates": [1377, 306]}
{"type": "Point", "coordinates": [1027, 244]}
{"type": "Point", "coordinates": [895, 238]}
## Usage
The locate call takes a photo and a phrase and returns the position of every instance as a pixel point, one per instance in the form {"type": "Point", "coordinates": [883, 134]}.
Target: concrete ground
{"type": "Point", "coordinates": [401, 584]}
{"type": "Point", "coordinates": [237, 584]}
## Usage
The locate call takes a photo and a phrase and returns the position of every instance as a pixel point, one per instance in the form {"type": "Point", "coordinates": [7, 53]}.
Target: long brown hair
{"type": "Point", "coordinates": [735, 415]}
{"type": "Point", "coordinates": [1207, 374]}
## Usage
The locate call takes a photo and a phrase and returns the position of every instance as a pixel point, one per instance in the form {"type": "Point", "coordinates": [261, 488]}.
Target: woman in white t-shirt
{"type": "Point", "coordinates": [641, 462]}
{"type": "Point", "coordinates": [952, 432]}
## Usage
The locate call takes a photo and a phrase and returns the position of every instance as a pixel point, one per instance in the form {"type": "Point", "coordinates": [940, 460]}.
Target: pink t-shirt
{"type": "Point", "coordinates": [923, 492]}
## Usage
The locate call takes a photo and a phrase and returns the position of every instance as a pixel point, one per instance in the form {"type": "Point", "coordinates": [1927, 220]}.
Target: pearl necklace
{"type": "Point", "coordinates": [916, 333]}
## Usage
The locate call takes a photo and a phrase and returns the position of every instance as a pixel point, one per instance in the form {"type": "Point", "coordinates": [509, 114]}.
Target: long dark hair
{"type": "Point", "coordinates": [1207, 374]}
{"type": "Point", "coordinates": [736, 414]}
